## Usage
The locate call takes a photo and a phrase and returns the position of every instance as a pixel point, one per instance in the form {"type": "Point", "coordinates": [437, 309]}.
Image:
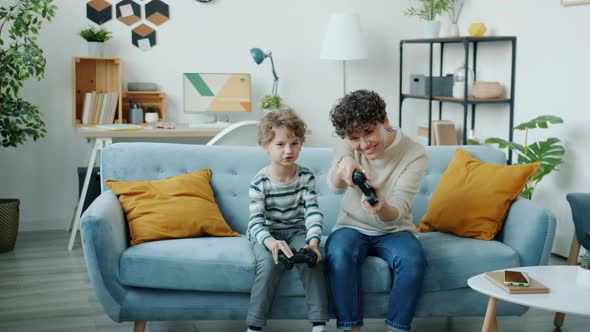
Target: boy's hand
{"type": "Point", "coordinates": [314, 246]}
{"type": "Point", "coordinates": [275, 246]}
{"type": "Point", "coordinates": [370, 208]}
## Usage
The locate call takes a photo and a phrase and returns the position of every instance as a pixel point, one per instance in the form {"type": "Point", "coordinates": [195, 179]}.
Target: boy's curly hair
{"type": "Point", "coordinates": [280, 118]}
{"type": "Point", "coordinates": [356, 112]}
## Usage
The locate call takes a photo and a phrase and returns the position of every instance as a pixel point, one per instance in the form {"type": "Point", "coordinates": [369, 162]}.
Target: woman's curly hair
{"type": "Point", "coordinates": [280, 118]}
{"type": "Point", "coordinates": [356, 112]}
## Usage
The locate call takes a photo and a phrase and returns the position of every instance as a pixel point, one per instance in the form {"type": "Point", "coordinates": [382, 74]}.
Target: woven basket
{"type": "Point", "coordinates": [9, 209]}
{"type": "Point", "coordinates": [487, 90]}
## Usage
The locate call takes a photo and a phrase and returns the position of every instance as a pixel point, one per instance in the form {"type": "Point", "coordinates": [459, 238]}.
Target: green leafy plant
{"type": "Point", "coordinates": [548, 152]}
{"type": "Point", "coordinates": [269, 102]}
{"type": "Point", "coordinates": [584, 260]}
{"type": "Point", "coordinates": [20, 59]}
{"type": "Point", "coordinates": [92, 34]}
{"type": "Point", "coordinates": [428, 10]}
{"type": "Point", "coordinates": [151, 109]}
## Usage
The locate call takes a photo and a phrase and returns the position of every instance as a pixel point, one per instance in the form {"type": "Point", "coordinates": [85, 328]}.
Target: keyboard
{"type": "Point", "coordinates": [210, 125]}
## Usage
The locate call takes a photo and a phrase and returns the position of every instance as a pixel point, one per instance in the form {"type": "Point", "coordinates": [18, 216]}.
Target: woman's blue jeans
{"type": "Point", "coordinates": [346, 250]}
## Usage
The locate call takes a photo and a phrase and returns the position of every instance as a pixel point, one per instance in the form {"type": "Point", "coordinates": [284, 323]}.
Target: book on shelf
{"type": "Point", "coordinates": [422, 132]}
{"type": "Point", "coordinates": [497, 277]}
{"type": "Point", "coordinates": [99, 108]}
{"type": "Point", "coordinates": [444, 132]}
{"type": "Point", "coordinates": [103, 108]}
{"type": "Point", "coordinates": [92, 110]}
{"type": "Point", "coordinates": [86, 107]}
{"type": "Point", "coordinates": [114, 103]}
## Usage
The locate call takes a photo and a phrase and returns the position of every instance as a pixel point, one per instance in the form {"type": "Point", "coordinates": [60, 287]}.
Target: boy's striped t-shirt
{"type": "Point", "coordinates": [283, 205]}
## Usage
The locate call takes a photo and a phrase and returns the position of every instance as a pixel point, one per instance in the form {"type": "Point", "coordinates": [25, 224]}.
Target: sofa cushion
{"type": "Point", "coordinates": [472, 197]}
{"type": "Point", "coordinates": [452, 259]}
{"type": "Point", "coordinates": [180, 206]}
{"type": "Point", "coordinates": [218, 264]}
{"type": "Point", "coordinates": [208, 263]}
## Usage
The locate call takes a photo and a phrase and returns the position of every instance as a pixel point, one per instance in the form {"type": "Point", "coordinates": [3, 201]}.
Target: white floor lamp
{"type": "Point", "coordinates": [344, 41]}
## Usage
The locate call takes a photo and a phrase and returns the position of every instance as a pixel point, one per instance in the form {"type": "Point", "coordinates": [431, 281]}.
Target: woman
{"type": "Point", "coordinates": [394, 165]}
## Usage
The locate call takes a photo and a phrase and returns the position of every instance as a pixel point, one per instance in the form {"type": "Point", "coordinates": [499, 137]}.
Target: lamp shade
{"type": "Point", "coordinates": [343, 39]}
{"type": "Point", "coordinates": [257, 55]}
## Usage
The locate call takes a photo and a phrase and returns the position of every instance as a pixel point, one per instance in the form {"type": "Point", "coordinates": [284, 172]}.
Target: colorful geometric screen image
{"type": "Point", "coordinates": [206, 92]}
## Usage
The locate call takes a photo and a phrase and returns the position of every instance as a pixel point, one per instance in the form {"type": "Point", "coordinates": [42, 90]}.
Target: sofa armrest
{"type": "Point", "coordinates": [529, 229]}
{"type": "Point", "coordinates": [104, 238]}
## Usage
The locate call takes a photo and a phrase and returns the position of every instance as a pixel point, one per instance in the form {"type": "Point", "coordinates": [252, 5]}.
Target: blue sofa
{"type": "Point", "coordinates": [210, 278]}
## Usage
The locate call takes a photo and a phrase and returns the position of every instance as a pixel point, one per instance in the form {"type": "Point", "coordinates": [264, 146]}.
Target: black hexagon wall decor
{"type": "Point", "coordinates": [157, 12]}
{"type": "Point", "coordinates": [143, 37]}
{"type": "Point", "coordinates": [128, 12]}
{"type": "Point", "coordinates": [99, 11]}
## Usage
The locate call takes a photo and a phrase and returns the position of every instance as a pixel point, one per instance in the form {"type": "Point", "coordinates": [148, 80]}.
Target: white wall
{"type": "Point", "coordinates": [216, 37]}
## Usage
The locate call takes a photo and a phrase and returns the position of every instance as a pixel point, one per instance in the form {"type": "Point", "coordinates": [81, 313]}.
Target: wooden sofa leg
{"type": "Point", "coordinates": [572, 259]}
{"type": "Point", "coordinates": [558, 320]}
{"type": "Point", "coordinates": [139, 326]}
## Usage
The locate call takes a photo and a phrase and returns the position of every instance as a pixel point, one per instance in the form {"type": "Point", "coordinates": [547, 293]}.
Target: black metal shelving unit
{"type": "Point", "coordinates": [467, 102]}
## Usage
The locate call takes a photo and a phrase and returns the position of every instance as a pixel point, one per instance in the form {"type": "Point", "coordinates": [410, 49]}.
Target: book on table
{"type": "Point", "coordinates": [497, 277]}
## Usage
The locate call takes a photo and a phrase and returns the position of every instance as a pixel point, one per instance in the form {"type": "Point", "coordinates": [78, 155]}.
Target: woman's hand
{"type": "Point", "coordinates": [370, 208]}
{"type": "Point", "coordinates": [276, 246]}
{"type": "Point", "coordinates": [346, 167]}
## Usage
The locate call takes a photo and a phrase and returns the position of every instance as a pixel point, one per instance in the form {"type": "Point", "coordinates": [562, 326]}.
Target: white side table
{"type": "Point", "coordinates": [563, 295]}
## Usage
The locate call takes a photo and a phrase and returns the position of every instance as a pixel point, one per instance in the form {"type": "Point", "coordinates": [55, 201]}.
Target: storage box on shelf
{"type": "Point", "coordinates": [99, 75]}
{"type": "Point", "coordinates": [156, 98]}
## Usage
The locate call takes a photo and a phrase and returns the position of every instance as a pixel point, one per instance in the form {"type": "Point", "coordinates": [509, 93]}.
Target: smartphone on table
{"type": "Point", "coordinates": [516, 278]}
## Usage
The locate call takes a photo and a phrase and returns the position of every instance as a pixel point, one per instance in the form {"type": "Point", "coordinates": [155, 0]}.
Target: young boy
{"type": "Point", "coordinates": [284, 213]}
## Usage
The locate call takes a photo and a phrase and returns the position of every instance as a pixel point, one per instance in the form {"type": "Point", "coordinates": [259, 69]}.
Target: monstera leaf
{"type": "Point", "coordinates": [549, 152]}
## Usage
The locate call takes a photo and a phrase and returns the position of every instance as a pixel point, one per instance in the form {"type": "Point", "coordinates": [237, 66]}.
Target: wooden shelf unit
{"type": "Point", "coordinates": [156, 98]}
{"type": "Point", "coordinates": [94, 74]}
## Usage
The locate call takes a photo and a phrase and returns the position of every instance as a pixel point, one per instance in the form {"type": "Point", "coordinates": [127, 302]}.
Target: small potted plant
{"type": "Point", "coordinates": [151, 114]}
{"type": "Point", "coordinates": [95, 38]}
{"type": "Point", "coordinates": [583, 276]}
{"type": "Point", "coordinates": [271, 102]}
{"type": "Point", "coordinates": [429, 11]}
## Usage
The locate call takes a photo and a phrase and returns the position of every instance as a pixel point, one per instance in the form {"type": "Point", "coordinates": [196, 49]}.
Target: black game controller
{"type": "Point", "coordinates": [302, 256]}
{"type": "Point", "coordinates": [360, 180]}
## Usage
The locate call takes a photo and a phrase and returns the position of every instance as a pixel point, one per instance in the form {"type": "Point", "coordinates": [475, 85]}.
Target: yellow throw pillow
{"type": "Point", "coordinates": [177, 207]}
{"type": "Point", "coordinates": [473, 197]}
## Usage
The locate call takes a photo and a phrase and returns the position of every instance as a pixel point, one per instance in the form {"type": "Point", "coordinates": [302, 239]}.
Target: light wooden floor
{"type": "Point", "coordinates": [43, 287]}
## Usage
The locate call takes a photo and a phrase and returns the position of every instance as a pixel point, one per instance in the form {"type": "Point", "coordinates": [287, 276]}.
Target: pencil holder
{"type": "Point", "coordinates": [135, 115]}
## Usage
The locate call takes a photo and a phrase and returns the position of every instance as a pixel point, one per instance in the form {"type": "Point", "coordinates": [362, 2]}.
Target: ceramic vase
{"type": "Point", "coordinates": [583, 279]}
{"type": "Point", "coordinates": [431, 29]}
{"type": "Point", "coordinates": [96, 49]}
{"type": "Point", "coordinates": [151, 117]}
{"type": "Point", "coordinates": [454, 30]}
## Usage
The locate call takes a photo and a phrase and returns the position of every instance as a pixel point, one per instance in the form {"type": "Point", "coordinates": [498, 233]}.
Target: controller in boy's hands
{"type": "Point", "coordinates": [360, 180]}
{"type": "Point", "coordinates": [302, 256]}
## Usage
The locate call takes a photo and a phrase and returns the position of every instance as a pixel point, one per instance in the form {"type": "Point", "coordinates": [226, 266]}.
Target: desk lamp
{"type": "Point", "coordinates": [344, 41]}
{"type": "Point", "coordinates": [258, 55]}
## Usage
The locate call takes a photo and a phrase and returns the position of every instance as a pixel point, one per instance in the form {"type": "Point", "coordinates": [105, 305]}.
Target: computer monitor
{"type": "Point", "coordinates": [216, 92]}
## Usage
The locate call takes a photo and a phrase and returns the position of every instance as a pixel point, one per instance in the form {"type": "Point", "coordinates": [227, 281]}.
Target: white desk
{"type": "Point", "coordinates": [563, 294]}
{"type": "Point", "coordinates": [103, 138]}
